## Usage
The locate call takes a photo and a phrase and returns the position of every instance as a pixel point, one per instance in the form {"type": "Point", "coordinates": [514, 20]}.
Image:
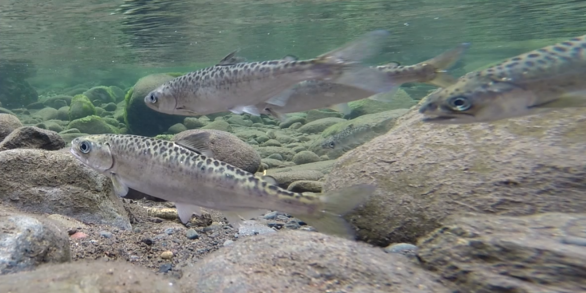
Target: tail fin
{"type": "Point", "coordinates": [336, 204]}
{"type": "Point", "coordinates": [351, 55]}
{"type": "Point", "coordinates": [444, 61]}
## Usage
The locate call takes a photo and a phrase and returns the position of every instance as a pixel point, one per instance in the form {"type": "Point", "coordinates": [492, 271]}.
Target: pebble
{"type": "Point", "coordinates": [402, 248]}
{"type": "Point", "coordinates": [169, 231]}
{"type": "Point", "coordinates": [165, 268]}
{"type": "Point", "coordinates": [191, 234]}
{"type": "Point", "coordinates": [147, 241]}
{"type": "Point", "coordinates": [167, 254]}
{"type": "Point", "coordinates": [294, 225]}
{"type": "Point", "coordinates": [228, 242]}
{"type": "Point", "coordinates": [105, 234]}
{"type": "Point", "coordinates": [271, 215]}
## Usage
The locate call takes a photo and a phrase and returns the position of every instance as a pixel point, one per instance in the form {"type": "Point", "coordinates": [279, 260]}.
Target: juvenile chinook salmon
{"type": "Point", "coordinates": [535, 82]}
{"type": "Point", "coordinates": [183, 172]}
{"type": "Point", "coordinates": [239, 86]}
{"type": "Point", "coordinates": [317, 94]}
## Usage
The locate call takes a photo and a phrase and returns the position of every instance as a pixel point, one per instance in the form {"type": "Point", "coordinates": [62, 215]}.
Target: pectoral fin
{"type": "Point", "coordinates": [235, 217]}
{"type": "Point", "coordinates": [119, 188]}
{"type": "Point", "coordinates": [568, 100]}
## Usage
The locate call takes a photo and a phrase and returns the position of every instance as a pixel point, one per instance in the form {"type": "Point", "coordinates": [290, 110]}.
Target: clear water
{"type": "Point", "coordinates": [77, 41]}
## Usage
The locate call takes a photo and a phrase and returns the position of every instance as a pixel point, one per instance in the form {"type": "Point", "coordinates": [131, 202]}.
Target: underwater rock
{"type": "Point", "coordinates": [378, 123]}
{"type": "Point", "coordinates": [397, 100]}
{"type": "Point", "coordinates": [275, 163]}
{"type": "Point", "coordinates": [290, 120]}
{"type": "Point", "coordinates": [47, 113]}
{"type": "Point", "coordinates": [306, 186]}
{"type": "Point", "coordinates": [218, 125]}
{"type": "Point", "coordinates": [28, 241]}
{"type": "Point", "coordinates": [31, 137]}
{"type": "Point", "coordinates": [316, 114]}
{"type": "Point", "coordinates": [63, 113]}
{"type": "Point", "coordinates": [87, 276]}
{"type": "Point", "coordinates": [139, 118]}
{"type": "Point", "coordinates": [271, 142]}
{"type": "Point", "coordinates": [58, 101]}
{"type": "Point", "coordinates": [117, 93]}
{"type": "Point", "coordinates": [485, 253]}
{"type": "Point", "coordinates": [110, 107]}
{"type": "Point", "coordinates": [319, 125]}
{"type": "Point", "coordinates": [92, 125]}
{"type": "Point", "coordinates": [193, 123]}
{"type": "Point", "coordinates": [228, 148]}
{"type": "Point", "coordinates": [176, 128]}
{"type": "Point", "coordinates": [305, 157]}
{"type": "Point", "coordinates": [8, 123]}
{"type": "Point", "coordinates": [16, 93]}
{"type": "Point", "coordinates": [267, 151]}
{"type": "Point", "coordinates": [425, 172]}
{"type": "Point", "coordinates": [239, 120]}
{"type": "Point", "coordinates": [81, 107]}
{"type": "Point", "coordinates": [100, 95]}
{"type": "Point", "coordinates": [299, 261]}
{"type": "Point", "coordinates": [54, 182]}
{"type": "Point", "coordinates": [53, 125]}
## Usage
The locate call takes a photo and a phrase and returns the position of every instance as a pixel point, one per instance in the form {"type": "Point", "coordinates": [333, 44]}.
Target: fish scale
{"type": "Point", "coordinates": [535, 82]}
{"type": "Point", "coordinates": [182, 172]}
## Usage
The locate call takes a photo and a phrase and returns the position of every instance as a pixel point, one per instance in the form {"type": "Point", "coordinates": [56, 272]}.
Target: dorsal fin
{"type": "Point", "coordinates": [231, 59]}
{"type": "Point", "coordinates": [197, 143]}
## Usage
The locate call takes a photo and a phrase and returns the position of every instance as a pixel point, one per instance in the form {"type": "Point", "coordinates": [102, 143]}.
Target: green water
{"type": "Point", "coordinates": [77, 41]}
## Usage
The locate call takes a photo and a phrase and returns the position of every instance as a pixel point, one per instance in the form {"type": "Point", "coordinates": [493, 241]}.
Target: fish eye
{"type": "Point", "coordinates": [153, 98]}
{"type": "Point", "coordinates": [460, 103]}
{"type": "Point", "coordinates": [332, 144]}
{"type": "Point", "coordinates": [85, 147]}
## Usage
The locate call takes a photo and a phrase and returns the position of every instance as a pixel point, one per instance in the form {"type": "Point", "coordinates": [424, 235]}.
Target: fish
{"type": "Point", "coordinates": [535, 82]}
{"type": "Point", "coordinates": [184, 172]}
{"type": "Point", "coordinates": [317, 94]}
{"type": "Point", "coordinates": [351, 137]}
{"type": "Point", "coordinates": [237, 86]}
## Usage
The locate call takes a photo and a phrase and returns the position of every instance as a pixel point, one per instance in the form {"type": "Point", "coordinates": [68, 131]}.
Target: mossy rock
{"type": "Point", "coordinates": [92, 125]}
{"type": "Point", "coordinates": [117, 93]}
{"type": "Point", "coordinates": [397, 100]}
{"type": "Point", "coordinates": [100, 95]}
{"type": "Point", "coordinates": [139, 118]}
{"type": "Point", "coordinates": [81, 106]}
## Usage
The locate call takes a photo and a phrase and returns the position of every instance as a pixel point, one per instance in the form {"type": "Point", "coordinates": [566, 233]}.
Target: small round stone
{"type": "Point", "coordinates": [105, 234]}
{"type": "Point", "coordinates": [191, 234]}
{"type": "Point", "coordinates": [167, 254]}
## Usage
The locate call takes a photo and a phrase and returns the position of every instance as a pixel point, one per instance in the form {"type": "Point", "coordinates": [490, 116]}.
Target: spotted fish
{"type": "Point", "coordinates": [239, 86]}
{"type": "Point", "coordinates": [316, 94]}
{"type": "Point", "coordinates": [184, 172]}
{"type": "Point", "coordinates": [535, 82]}
{"type": "Point", "coordinates": [351, 137]}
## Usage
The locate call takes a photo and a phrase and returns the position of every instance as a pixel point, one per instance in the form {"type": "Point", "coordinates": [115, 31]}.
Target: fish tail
{"type": "Point", "coordinates": [336, 204]}
{"type": "Point", "coordinates": [444, 61]}
{"type": "Point", "coordinates": [350, 57]}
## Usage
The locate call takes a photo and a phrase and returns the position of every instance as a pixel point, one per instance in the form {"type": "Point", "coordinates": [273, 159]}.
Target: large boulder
{"type": "Point", "coordinates": [30, 137]}
{"type": "Point", "coordinates": [28, 241]}
{"type": "Point", "coordinates": [54, 182]}
{"type": "Point", "coordinates": [141, 119]}
{"type": "Point", "coordinates": [425, 172]}
{"type": "Point", "coordinates": [84, 276]}
{"type": "Point", "coordinates": [227, 147]}
{"type": "Point", "coordinates": [540, 253]}
{"type": "Point", "coordinates": [299, 261]}
{"type": "Point", "coordinates": [81, 107]}
{"type": "Point", "coordinates": [8, 123]}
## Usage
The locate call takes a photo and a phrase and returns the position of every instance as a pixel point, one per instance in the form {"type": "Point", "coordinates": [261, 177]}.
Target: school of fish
{"type": "Point", "coordinates": [186, 173]}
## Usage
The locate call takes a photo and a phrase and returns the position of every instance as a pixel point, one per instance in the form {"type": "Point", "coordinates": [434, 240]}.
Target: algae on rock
{"type": "Point", "coordinates": [81, 106]}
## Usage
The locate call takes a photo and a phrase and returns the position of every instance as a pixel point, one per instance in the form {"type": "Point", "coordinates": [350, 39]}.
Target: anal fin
{"type": "Point", "coordinates": [185, 211]}
{"type": "Point", "coordinates": [252, 110]}
{"type": "Point", "coordinates": [235, 217]}
{"type": "Point", "coordinates": [119, 188]}
{"type": "Point", "coordinates": [568, 100]}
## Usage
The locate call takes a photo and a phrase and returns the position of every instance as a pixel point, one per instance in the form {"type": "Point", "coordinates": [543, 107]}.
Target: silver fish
{"type": "Point", "coordinates": [316, 94]}
{"type": "Point", "coordinates": [184, 172]}
{"type": "Point", "coordinates": [239, 86]}
{"type": "Point", "coordinates": [347, 139]}
{"type": "Point", "coordinates": [535, 82]}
